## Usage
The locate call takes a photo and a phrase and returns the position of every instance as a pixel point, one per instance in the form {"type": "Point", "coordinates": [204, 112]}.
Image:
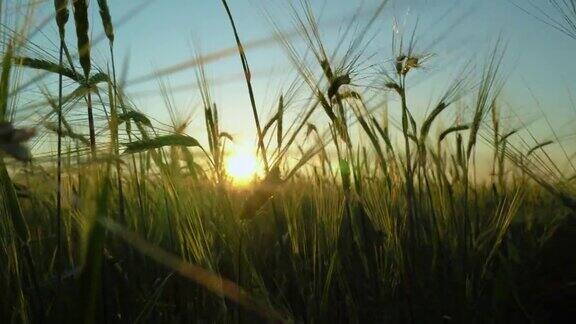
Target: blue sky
{"type": "Point", "coordinates": [165, 33]}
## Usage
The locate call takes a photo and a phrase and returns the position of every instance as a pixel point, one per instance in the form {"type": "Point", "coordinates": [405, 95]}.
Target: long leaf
{"type": "Point", "coordinates": [161, 141]}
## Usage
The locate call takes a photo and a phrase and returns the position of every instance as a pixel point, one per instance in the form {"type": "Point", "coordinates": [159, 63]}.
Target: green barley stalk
{"type": "Point", "coordinates": [113, 125]}
{"type": "Point", "coordinates": [279, 123]}
{"type": "Point", "coordinates": [109, 31]}
{"type": "Point", "coordinates": [248, 77]}
{"type": "Point", "coordinates": [82, 26]}
{"type": "Point", "coordinates": [62, 14]}
{"type": "Point", "coordinates": [496, 132]}
{"type": "Point", "coordinates": [488, 90]}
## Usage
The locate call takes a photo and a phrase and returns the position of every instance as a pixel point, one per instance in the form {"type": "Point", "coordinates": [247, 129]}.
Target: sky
{"type": "Point", "coordinates": [538, 66]}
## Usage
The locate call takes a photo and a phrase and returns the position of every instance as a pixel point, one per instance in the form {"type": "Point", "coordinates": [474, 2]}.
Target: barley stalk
{"type": "Point", "coordinates": [113, 93]}
{"type": "Point", "coordinates": [279, 123]}
{"type": "Point", "coordinates": [62, 14]}
{"type": "Point", "coordinates": [82, 30]}
{"type": "Point", "coordinates": [248, 77]}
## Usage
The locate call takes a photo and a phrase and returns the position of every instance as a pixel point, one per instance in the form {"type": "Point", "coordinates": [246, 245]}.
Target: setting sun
{"type": "Point", "coordinates": [242, 166]}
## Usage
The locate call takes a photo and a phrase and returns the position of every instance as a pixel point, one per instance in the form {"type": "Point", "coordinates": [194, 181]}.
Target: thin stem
{"type": "Point", "coordinates": [91, 125]}
{"type": "Point", "coordinates": [59, 170]}
{"type": "Point", "coordinates": [247, 75]}
{"type": "Point", "coordinates": [116, 143]}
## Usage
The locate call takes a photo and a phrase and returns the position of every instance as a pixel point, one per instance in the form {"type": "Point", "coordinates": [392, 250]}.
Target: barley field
{"type": "Point", "coordinates": [354, 201]}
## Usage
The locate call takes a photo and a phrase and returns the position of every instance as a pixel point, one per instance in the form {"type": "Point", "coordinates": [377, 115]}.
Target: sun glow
{"type": "Point", "coordinates": [242, 166]}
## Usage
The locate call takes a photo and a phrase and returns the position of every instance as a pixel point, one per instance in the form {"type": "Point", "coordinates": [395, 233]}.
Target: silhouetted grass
{"type": "Point", "coordinates": [358, 217]}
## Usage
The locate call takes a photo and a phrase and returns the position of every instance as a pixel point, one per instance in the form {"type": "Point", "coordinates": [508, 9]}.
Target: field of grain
{"type": "Point", "coordinates": [337, 214]}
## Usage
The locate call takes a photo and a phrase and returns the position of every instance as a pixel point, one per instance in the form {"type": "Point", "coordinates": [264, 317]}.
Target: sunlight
{"type": "Point", "coordinates": [242, 166]}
